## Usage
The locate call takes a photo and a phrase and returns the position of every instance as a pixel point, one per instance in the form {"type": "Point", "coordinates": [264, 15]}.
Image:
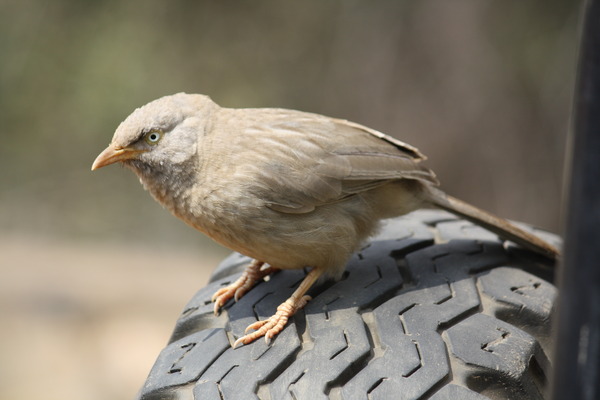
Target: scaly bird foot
{"type": "Point", "coordinates": [272, 326]}
{"type": "Point", "coordinates": [252, 274]}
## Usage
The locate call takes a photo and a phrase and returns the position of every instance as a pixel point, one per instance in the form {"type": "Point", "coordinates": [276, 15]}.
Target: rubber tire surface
{"type": "Point", "coordinates": [433, 308]}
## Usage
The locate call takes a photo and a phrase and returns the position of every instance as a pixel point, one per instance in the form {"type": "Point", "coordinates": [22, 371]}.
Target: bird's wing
{"type": "Point", "coordinates": [305, 160]}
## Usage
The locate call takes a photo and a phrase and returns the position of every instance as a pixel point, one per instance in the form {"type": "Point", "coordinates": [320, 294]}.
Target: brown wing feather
{"type": "Point", "coordinates": [326, 160]}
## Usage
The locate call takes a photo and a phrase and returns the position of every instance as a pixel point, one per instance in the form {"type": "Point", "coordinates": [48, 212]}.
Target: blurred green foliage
{"type": "Point", "coordinates": [482, 87]}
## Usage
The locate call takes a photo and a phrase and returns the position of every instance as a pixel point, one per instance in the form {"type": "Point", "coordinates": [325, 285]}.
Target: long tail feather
{"type": "Point", "coordinates": [499, 226]}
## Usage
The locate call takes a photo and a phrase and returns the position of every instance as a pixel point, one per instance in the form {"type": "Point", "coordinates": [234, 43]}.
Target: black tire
{"type": "Point", "coordinates": [433, 308]}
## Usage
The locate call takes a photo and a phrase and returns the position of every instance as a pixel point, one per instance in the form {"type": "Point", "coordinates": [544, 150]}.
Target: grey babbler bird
{"type": "Point", "coordinates": [289, 189]}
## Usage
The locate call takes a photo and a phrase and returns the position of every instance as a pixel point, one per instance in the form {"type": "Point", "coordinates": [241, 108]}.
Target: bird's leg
{"type": "Point", "coordinates": [252, 274]}
{"type": "Point", "coordinates": [272, 326]}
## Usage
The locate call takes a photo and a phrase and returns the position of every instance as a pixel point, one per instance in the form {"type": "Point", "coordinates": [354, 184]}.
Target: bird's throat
{"type": "Point", "coordinates": [169, 186]}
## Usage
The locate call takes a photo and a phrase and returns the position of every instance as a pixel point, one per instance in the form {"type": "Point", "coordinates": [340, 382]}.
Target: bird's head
{"type": "Point", "coordinates": [160, 135]}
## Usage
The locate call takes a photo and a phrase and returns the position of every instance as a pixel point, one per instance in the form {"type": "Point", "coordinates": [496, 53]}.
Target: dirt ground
{"type": "Point", "coordinates": [84, 321]}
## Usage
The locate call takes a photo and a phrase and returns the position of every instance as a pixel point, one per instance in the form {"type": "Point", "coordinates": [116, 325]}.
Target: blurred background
{"type": "Point", "coordinates": [95, 273]}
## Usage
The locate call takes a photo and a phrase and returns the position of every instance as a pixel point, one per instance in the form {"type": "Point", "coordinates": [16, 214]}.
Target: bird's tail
{"type": "Point", "coordinates": [499, 226]}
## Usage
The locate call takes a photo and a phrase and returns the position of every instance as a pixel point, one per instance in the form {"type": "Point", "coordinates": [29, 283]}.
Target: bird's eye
{"type": "Point", "coordinates": [153, 137]}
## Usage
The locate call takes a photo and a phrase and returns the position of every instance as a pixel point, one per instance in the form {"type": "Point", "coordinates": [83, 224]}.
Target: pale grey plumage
{"type": "Point", "coordinates": [284, 187]}
{"type": "Point", "coordinates": [216, 166]}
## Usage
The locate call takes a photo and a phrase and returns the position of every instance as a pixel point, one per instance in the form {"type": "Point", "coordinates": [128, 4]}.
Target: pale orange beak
{"type": "Point", "coordinates": [113, 154]}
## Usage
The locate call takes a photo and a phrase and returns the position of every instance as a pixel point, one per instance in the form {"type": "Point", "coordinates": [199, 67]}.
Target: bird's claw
{"type": "Point", "coordinates": [270, 327]}
{"type": "Point", "coordinates": [220, 298]}
{"type": "Point", "coordinates": [238, 288]}
{"type": "Point", "coordinates": [222, 295]}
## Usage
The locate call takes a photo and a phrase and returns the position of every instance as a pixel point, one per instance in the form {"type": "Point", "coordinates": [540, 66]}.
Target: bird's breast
{"type": "Point", "coordinates": [324, 238]}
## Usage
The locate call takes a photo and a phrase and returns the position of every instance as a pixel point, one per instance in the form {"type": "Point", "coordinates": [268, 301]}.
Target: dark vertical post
{"type": "Point", "coordinates": [577, 340]}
